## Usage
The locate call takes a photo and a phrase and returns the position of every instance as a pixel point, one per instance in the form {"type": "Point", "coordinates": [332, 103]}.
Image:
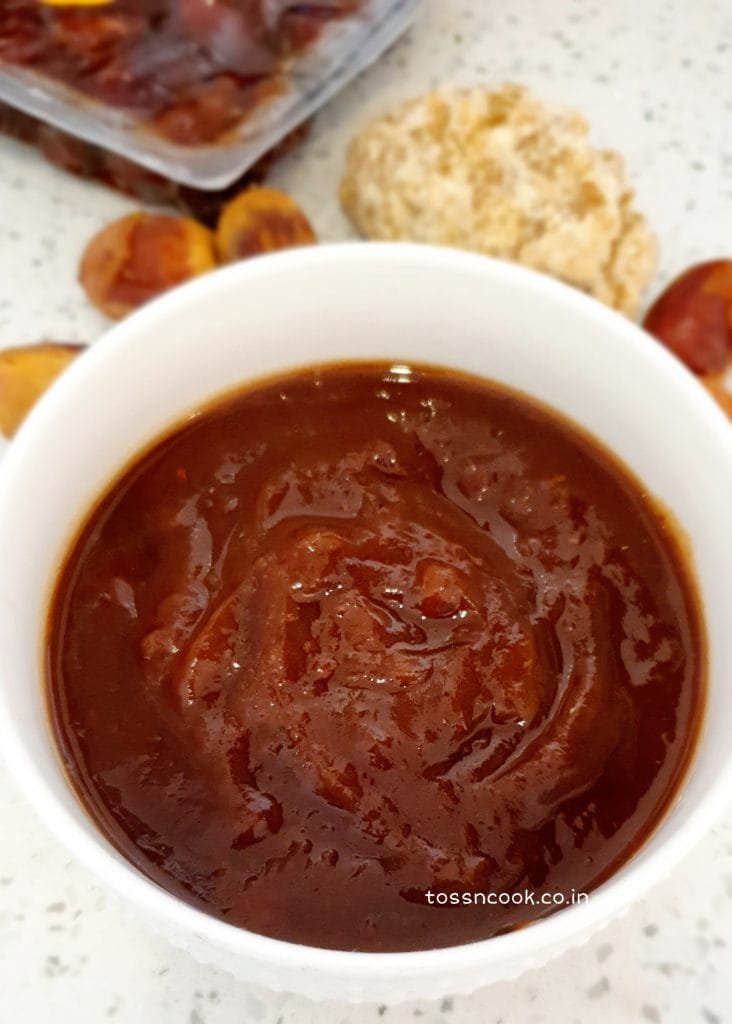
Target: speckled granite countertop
{"type": "Point", "coordinates": [655, 80]}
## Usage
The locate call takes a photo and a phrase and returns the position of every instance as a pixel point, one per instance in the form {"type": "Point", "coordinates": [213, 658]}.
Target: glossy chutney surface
{"type": "Point", "coordinates": [360, 636]}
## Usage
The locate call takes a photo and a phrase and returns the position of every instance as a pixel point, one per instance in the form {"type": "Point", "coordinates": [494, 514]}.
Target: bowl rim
{"type": "Point", "coordinates": [633, 879]}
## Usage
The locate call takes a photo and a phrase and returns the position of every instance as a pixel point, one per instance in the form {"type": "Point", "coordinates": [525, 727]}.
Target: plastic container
{"type": "Point", "coordinates": [345, 47]}
{"type": "Point", "coordinates": [85, 160]}
{"type": "Point", "coordinates": [364, 302]}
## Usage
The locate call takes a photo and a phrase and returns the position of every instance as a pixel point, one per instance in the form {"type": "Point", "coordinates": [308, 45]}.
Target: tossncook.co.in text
{"type": "Point", "coordinates": [526, 898]}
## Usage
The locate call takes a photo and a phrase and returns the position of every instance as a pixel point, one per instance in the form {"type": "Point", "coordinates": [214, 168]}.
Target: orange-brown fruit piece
{"type": "Point", "coordinates": [718, 389]}
{"type": "Point", "coordinates": [693, 316]}
{"type": "Point", "coordinates": [261, 220]}
{"type": "Point", "coordinates": [140, 256]}
{"type": "Point", "coordinates": [25, 373]}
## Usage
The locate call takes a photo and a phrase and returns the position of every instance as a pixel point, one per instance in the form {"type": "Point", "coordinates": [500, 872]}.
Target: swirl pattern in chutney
{"type": "Point", "coordinates": [359, 634]}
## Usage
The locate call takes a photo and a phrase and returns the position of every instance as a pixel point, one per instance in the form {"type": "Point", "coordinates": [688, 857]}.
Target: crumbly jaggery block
{"type": "Point", "coordinates": [501, 173]}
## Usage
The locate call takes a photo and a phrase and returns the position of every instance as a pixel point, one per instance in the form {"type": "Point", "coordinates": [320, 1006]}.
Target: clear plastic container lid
{"type": "Point", "coordinates": [345, 47]}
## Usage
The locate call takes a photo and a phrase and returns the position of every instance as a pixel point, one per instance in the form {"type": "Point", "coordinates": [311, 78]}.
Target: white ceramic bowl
{"type": "Point", "coordinates": [401, 303]}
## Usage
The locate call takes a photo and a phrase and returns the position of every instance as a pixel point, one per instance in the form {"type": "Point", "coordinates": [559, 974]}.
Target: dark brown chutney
{"type": "Point", "coordinates": [361, 634]}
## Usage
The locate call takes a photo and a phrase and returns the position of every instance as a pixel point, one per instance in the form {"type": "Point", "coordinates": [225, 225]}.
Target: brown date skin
{"type": "Point", "coordinates": [191, 70]}
{"type": "Point", "coordinates": [693, 316]}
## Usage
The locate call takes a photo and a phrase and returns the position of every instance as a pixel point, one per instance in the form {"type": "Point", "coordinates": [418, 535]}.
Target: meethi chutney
{"type": "Point", "coordinates": [360, 634]}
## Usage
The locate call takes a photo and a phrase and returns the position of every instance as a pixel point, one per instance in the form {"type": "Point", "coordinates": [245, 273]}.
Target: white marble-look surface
{"type": "Point", "coordinates": [655, 80]}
